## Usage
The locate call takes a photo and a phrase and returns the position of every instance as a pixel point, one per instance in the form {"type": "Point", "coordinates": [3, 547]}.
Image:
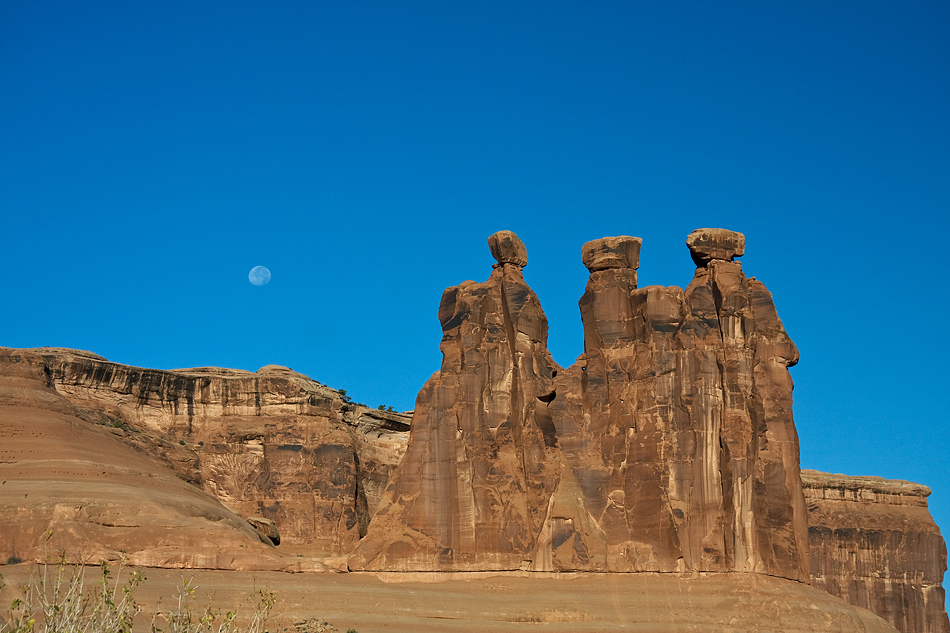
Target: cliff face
{"type": "Point", "coordinates": [272, 444]}
{"type": "Point", "coordinates": [69, 482]}
{"type": "Point", "coordinates": [874, 544]}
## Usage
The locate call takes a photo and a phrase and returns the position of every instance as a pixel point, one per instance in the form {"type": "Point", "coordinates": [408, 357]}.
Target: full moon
{"type": "Point", "coordinates": [259, 275]}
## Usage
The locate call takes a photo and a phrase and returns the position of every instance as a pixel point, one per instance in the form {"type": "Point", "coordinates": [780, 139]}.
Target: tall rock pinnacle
{"type": "Point", "coordinates": [677, 419]}
{"type": "Point", "coordinates": [480, 468]}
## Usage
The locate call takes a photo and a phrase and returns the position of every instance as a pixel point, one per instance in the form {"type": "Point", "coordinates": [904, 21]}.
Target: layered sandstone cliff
{"type": "Point", "coordinates": [71, 484]}
{"type": "Point", "coordinates": [874, 544]}
{"type": "Point", "coordinates": [271, 444]}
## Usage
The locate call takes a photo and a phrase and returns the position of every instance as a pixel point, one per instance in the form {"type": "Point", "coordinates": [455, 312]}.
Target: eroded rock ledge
{"type": "Point", "coordinates": [874, 544]}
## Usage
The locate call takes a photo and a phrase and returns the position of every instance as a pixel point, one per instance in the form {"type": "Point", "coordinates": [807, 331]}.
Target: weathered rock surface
{"type": "Point", "coordinates": [272, 444]}
{"type": "Point", "coordinates": [874, 544]}
{"type": "Point", "coordinates": [612, 252]}
{"type": "Point", "coordinates": [677, 423]}
{"type": "Point", "coordinates": [480, 470]}
{"type": "Point", "coordinates": [266, 528]}
{"type": "Point", "coordinates": [507, 248]}
{"type": "Point", "coordinates": [706, 245]}
{"type": "Point", "coordinates": [70, 483]}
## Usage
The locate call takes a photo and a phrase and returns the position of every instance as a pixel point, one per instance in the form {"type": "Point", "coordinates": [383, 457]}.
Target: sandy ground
{"type": "Point", "coordinates": [395, 602]}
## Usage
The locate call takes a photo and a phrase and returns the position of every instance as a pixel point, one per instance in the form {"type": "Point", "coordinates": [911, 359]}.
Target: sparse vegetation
{"type": "Point", "coordinates": [58, 599]}
{"type": "Point", "coordinates": [14, 560]}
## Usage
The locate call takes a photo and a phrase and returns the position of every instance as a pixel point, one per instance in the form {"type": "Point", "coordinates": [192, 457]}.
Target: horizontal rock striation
{"type": "Point", "coordinates": [71, 484]}
{"type": "Point", "coordinates": [271, 443]}
{"type": "Point", "coordinates": [874, 544]}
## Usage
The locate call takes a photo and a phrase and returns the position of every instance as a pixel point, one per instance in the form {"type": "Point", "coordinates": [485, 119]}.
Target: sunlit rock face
{"type": "Point", "coordinates": [272, 443]}
{"type": "Point", "coordinates": [73, 485]}
{"type": "Point", "coordinates": [669, 446]}
{"type": "Point", "coordinates": [481, 468]}
{"type": "Point", "coordinates": [874, 544]}
{"type": "Point", "coordinates": [677, 420]}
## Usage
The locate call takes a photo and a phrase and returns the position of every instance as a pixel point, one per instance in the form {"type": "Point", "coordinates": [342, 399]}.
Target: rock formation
{"type": "Point", "coordinates": [70, 483]}
{"type": "Point", "coordinates": [874, 544]}
{"type": "Point", "coordinates": [669, 446]}
{"type": "Point", "coordinates": [677, 419]}
{"type": "Point", "coordinates": [473, 490]}
{"type": "Point", "coordinates": [272, 444]}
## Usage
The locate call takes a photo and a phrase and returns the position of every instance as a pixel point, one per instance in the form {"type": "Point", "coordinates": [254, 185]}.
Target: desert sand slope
{"type": "Point", "coordinates": [68, 477]}
{"type": "Point", "coordinates": [476, 602]}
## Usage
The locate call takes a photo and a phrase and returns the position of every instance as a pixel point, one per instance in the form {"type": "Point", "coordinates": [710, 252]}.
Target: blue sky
{"type": "Point", "coordinates": [152, 153]}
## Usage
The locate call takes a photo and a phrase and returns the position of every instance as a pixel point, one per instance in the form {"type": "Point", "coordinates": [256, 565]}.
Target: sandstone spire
{"type": "Point", "coordinates": [480, 469]}
{"type": "Point", "coordinates": [677, 419]}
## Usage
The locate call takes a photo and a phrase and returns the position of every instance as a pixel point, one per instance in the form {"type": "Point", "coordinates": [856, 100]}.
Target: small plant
{"type": "Point", "coordinates": [390, 410]}
{"type": "Point", "coordinates": [57, 600]}
{"type": "Point", "coordinates": [14, 560]}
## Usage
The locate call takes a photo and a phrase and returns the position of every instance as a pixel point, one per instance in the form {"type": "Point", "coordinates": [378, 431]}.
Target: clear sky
{"type": "Point", "coordinates": [152, 153]}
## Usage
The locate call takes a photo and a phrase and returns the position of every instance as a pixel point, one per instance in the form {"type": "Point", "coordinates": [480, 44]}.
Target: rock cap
{"type": "Point", "coordinates": [706, 245]}
{"type": "Point", "coordinates": [507, 248]}
{"type": "Point", "coordinates": [621, 251]}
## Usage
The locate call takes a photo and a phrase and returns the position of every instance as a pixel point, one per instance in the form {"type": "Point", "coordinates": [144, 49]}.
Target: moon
{"type": "Point", "coordinates": [259, 275]}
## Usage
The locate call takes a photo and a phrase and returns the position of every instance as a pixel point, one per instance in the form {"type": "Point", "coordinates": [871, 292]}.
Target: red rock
{"type": "Point", "coordinates": [271, 443]}
{"type": "Point", "coordinates": [481, 467]}
{"type": "Point", "coordinates": [677, 423]}
{"type": "Point", "coordinates": [507, 248]}
{"type": "Point", "coordinates": [612, 252]}
{"type": "Point", "coordinates": [874, 544]}
{"type": "Point", "coordinates": [706, 245]}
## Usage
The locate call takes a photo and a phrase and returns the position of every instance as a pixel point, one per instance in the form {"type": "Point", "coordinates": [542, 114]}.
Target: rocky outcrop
{"type": "Point", "coordinates": [481, 467]}
{"type": "Point", "coordinates": [677, 420]}
{"type": "Point", "coordinates": [874, 544]}
{"type": "Point", "coordinates": [71, 484]}
{"type": "Point", "coordinates": [271, 443]}
{"type": "Point", "coordinates": [669, 446]}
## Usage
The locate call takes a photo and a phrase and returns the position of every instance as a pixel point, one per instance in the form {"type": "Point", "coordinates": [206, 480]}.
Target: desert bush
{"type": "Point", "coordinates": [57, 599]}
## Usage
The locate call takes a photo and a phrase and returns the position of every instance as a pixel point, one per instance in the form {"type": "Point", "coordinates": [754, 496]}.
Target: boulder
{"type": "Point", "coordinates": [706, 245]}
{"type": "Point", "coordinates": [507, 248]}
{"type": "Point", "coordinates": [612, 252]}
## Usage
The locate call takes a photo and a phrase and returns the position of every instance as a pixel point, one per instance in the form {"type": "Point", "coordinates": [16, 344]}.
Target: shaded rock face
{"type": "Point", "coordinates": [677, 423]}
{"type": "Point", "coordinates": [875, 545]}
{"type": "Point", "coordinates": [481, 467]}
{"type": "Point", "coordinates": [272, 444]}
